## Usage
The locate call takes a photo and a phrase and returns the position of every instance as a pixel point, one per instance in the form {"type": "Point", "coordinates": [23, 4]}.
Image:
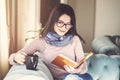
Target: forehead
{"type": "Point", "coordinates": [65, 18]}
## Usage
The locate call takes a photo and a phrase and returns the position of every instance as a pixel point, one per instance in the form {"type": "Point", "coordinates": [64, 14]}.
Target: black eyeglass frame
{"type": "Point", "coordinates": [60, 24]}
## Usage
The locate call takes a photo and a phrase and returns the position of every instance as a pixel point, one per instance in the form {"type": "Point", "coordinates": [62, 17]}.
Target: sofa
{"type": "Point", "coordinates": [19, 72]}
{"type": "Point", "coordinates": [103, 65]}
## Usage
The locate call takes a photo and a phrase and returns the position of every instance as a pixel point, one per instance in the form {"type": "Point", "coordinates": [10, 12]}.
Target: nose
{"type": "Point", "coordinates": [64, 26]}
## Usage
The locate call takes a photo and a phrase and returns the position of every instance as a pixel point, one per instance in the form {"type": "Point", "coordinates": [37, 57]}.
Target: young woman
{"type": "Point", "coordinates": [58, 37]}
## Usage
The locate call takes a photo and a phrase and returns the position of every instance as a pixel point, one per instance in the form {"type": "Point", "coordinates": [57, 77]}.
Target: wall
{"type": "Point", "coordinates": [107, 21]}
{"type": "Point", "coordinates": [84, 10]}
{"type": "Point", "coordinates": [27, 19]}
{"type": "Point", "coordinates": [96, 18]}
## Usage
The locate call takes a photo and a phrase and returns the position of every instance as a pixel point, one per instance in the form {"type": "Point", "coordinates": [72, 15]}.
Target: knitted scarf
{"type": "Point", "coordinates": [56, 40]}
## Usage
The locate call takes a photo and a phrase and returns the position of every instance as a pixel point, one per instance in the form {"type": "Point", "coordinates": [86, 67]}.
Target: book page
{"type": "Point", "coordinates": [61, 60]}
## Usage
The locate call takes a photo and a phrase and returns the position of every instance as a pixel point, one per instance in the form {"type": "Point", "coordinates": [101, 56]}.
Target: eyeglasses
{"type": "Point", "coordinates": [61, 24]}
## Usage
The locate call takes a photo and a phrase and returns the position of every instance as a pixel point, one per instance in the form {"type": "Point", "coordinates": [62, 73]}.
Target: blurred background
{"type": "Point", "coordinates": [94, 18]}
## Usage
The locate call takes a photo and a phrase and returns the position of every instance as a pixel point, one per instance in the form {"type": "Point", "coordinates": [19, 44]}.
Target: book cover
{"type": "Point", "coordinates": [62, 60]}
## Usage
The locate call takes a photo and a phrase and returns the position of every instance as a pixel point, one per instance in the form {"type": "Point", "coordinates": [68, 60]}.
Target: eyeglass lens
{"type": "Point", "coordinates": [61, 24]}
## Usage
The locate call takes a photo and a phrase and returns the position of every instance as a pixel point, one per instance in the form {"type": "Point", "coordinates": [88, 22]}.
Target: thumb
{"type": "Point", "coordinates": [67, 68]}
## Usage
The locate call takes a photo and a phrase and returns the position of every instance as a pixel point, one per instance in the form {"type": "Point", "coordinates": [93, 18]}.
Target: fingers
{"type": "Point", "coordinates": [20, 57]}
{"type": "Point", "coordinates": [20, 62]}
{"type": "Point", "coordinates": [23, 53]}
{"type": "Point", "coordinates": [66, 68]}
{"type": "Point", "coordinates": [71, 69]}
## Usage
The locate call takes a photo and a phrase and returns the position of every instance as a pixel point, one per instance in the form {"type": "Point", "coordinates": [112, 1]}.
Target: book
{"type": "Point", "coordinates": [62, 60]}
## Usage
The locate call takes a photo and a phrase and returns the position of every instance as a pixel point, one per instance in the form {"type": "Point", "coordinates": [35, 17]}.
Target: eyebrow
{"type": "Point", "coordinates": [64, 22]}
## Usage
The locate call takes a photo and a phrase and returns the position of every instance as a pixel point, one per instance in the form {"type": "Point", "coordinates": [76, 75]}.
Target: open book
{"type": "Point", "coordinates": [61, 60]}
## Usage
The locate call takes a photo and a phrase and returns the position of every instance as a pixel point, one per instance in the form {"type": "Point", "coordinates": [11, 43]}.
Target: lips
{"type": "Point", "coordinates": [61, 31]}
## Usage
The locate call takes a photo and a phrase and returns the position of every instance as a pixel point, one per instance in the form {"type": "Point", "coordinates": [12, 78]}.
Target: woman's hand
{"type": "Point", "coordinates": [20, 57]}
{"type": "Point", "coordinates": [71, 69]}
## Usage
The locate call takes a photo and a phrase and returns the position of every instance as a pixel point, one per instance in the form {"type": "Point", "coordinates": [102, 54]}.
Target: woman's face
{"type": "Point", "coordinates": [62, 26]}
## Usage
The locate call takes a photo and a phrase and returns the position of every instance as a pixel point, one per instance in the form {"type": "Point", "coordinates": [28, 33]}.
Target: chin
{"type": "Point", "coordinates": [61, 34]}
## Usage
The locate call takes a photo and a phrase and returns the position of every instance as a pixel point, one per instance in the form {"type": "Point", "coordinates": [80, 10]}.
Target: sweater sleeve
{"type": "Point", "coordinates": [79, 53]}
{"type": "Point", "coordinates": [28, 49]}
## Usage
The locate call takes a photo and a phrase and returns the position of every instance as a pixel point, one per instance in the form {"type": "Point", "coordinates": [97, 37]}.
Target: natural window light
{"type": "Point", "coordinates": [3, 38]}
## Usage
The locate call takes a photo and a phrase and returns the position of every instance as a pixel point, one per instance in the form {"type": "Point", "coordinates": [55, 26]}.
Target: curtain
{"type": "Point", "coordinates": [12, 24]}
{"type": "Point", "coordinates": [8, 33]}
{"type": "Point", "coordinates": [16, 18]}
{"type": "Point", "coordinates": [4, 41]}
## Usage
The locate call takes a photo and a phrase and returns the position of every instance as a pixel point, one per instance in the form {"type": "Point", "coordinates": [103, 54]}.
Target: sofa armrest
{"type": "Point", "coordinates": [19, 71]}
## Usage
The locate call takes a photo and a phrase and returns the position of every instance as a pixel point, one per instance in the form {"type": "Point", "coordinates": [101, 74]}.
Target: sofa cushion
{"type": "Point", "coordinates": [115, 39]}
{"type": "Point", "coordinates": [104, 45]}
{"type": "Point", "coordinates": [103, 67]}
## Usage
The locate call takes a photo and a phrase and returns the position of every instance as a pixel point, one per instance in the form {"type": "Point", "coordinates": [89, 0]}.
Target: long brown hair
{"type": "Point", "coordinates": [59, 10]}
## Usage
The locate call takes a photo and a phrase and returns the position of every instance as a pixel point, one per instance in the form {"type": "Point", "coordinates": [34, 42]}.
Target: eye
{"type": "Point", "coordinates": [68, 24]}
{"type": "Point", "coordinates": [60, 22]}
